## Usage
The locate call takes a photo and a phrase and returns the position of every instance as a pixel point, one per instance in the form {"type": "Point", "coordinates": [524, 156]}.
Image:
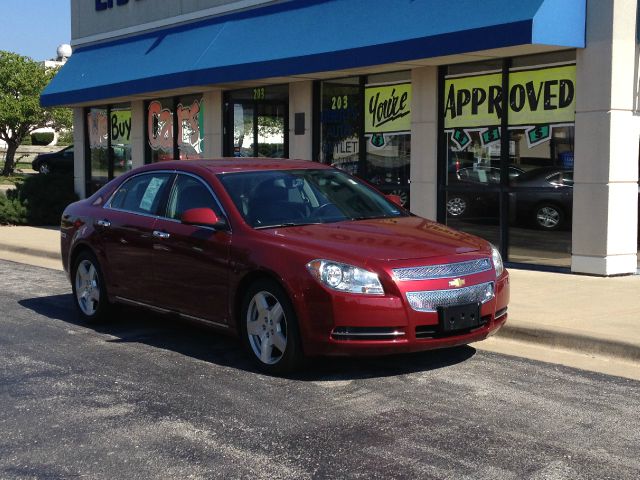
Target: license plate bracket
{"type": "Point", "coordinates": [459, 317]}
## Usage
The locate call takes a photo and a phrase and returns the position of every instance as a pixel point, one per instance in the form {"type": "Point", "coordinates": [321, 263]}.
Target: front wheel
{"type": "Point", "coordinates": [44, 168]}
{"type": "Point", "coordinates": [89, 292]}
{"type": "Point", "coordinates": [269, 328]}
{"type": "Point", "coordinates": [457, 206]}
{"type": "Point", "coordinates": [548, 217]}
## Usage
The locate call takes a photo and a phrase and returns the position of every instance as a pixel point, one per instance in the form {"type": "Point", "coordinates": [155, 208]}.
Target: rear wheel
{"type": "Point", "coordinates": [270, 329]}
{"type": "Point", "coordinates": [89, 292]}
{"type": "Point", "coordinates": [44, 168]}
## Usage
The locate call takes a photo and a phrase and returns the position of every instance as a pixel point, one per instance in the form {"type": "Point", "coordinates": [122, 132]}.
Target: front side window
{"type": "Point", "coordinates": [297, 197]}
{"type": "Point", "coordinates": [187, 193]}
{"type": "Point", "coordinates": [141, 194]}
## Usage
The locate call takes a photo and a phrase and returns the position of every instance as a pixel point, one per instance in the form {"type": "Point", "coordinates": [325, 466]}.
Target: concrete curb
{"type": "Point", "coordinates": [572, 341]}
{"type": "Point", "coordinates": [30, 251]}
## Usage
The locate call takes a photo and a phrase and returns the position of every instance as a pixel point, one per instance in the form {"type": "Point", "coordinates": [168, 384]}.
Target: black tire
{"type": "Point", "coordinates": [548, 216]}
{"type": "Point", "coordinates": [44, 168]}
{"type": "Point", "coordinates": [277, 361]}
{"type": "Point", "coordinates": [91, 310]}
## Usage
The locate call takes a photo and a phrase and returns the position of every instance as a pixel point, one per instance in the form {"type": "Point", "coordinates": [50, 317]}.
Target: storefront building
{"type": "Point", "coordinates": [515, 121]}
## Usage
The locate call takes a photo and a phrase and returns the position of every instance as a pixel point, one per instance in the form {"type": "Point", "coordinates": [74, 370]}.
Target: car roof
{"type": "Point", "coordinates": [242, 164]}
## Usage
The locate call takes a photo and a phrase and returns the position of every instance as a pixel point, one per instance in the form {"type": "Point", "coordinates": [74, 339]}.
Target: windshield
{"type": "Point", "coordinates": [273, 198]}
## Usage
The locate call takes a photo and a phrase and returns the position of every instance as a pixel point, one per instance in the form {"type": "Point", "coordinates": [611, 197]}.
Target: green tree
{"type": "Point", "coordinates": [21, 82]}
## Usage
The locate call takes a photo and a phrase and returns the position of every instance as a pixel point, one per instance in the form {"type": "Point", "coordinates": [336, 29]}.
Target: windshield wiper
{"type": "Point", "coordinates": [288, 224]}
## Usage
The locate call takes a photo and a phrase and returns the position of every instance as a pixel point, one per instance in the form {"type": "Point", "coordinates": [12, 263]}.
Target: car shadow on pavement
{"type": "Point", "coordinates": [168, 332]}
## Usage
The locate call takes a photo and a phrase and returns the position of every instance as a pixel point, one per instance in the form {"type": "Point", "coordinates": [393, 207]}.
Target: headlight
{"type": "Point", "coordinates": [345, 278]}
{"type": "Point", "coordinates": [497, 261]}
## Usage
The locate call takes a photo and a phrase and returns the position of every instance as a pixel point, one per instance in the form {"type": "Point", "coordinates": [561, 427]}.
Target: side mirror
{"type": "Point", "coordinates": [394, 199]}
{"type": "Point", "coordinates": [202, 217]}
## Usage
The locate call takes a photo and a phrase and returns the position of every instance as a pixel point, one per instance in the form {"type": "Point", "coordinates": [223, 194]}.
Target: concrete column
{"type": "Point", "coordinates": [605, 195]}
{"type": "Point", "coordinates": [213, 133]}
{"type": "Point", "coordinates": [424, 142]}
{"type": "Point", "coordinates": [79, 170]}
{"type": "Point", "coordinates": [138, 126]}
{"type": "Point", "coordinates": [300, 101]}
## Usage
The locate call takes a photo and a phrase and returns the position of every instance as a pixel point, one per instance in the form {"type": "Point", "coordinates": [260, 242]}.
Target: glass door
{"type": "Point", "coordinates": [256, 123]}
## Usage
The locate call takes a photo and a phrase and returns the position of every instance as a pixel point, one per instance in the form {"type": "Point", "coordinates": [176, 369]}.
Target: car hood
{"type": "Point", "coordinates": [380, 239]}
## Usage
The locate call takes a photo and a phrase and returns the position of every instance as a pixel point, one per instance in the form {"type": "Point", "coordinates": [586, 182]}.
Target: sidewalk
{"type": "Point", "coordinates": [592, 315]}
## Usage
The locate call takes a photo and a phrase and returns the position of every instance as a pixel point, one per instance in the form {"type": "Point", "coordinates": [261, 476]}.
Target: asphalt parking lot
{"type": "Point", "coordinates": [150, 397]}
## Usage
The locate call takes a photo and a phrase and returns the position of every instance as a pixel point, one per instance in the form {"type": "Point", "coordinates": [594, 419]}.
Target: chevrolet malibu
{"type": "Point", "coordinates": [294, 257]}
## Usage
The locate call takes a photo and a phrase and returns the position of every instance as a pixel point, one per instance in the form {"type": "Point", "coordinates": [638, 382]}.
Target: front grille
{"type": "Point", "coordinates": [434, 331]}
{"type": "Point", "coordinates": [448, 270]}
{"type": "Point", "coordinates": [367, 333]}
{"type": "Point", "coordinates": [430, 300]}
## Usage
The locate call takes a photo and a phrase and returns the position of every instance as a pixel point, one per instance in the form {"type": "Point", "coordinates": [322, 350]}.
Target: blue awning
{"type": "Point", "coordinates": [299, 37]}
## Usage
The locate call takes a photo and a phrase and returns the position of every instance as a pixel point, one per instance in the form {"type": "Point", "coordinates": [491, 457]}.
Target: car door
{"type": "Point", "coordinates": [126, 230]}
{"type": "Point", "coordinates": [191, 263]}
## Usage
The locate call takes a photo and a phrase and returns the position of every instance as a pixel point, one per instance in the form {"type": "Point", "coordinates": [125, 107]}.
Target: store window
{"type": "Point", "coordinates": [120, 139]}
{"type": "Point", "coordinates": [341, 124]}
{"type": "Point", "coordinates": [175, 128]}
{"type": "Point", "coordinates": [365, 129]}
{"type": "Point", "coordinates": [507, 161]}
{"type": "Point", "coordinates": [160, 130]}
{"type": "Point", "coordinates": [108, 144]}
{"type": "Point", "coordinates": [98, 133]}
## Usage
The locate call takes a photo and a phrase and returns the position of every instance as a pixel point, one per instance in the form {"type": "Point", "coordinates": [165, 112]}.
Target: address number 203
{"type": "Point", "coordinates": [340, 102]}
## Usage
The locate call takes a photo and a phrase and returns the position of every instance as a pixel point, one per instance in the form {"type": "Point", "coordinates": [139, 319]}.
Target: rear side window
{"type": "Point", "coordinates": [141, 194]}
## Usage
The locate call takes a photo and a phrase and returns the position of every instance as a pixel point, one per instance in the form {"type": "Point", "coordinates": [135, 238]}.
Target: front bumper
{"type": "Point", "coordinates": [357, 325]}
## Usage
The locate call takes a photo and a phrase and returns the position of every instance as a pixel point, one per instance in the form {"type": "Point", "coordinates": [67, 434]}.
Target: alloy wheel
{"type": "Point", "coordinates": [548, 217]}
{"type": "Point", "coordinates": [87, 287]}
{"type": "Point", "coordinates": [266, 328]}
{"type": "Point", "coordinates": [456, 206]}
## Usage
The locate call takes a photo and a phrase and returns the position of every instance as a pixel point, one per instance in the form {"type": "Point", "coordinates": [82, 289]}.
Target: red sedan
{"type": "Point", "coordinates": [297, 258]}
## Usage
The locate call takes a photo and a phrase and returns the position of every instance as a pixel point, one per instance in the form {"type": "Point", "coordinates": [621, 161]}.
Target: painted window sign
{"type": "Point", "coordinates": [536, 96]}
{"type": "Point", "coordinates": [190, 128]}
{"type": "Point", "coordinates": [160, 127]}
{"type": "Point", "coordinates": [388, 108]}
{"type": "Point", "coordinates": [98, 125]}
{"type": "Point", "coordinates": [121, 126]}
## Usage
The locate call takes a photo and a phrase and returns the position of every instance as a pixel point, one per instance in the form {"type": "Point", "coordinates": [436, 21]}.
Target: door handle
{"type": "Point", "coordinates": [159, 234]}
{"type": "Point", "coordinates": [103, 223]}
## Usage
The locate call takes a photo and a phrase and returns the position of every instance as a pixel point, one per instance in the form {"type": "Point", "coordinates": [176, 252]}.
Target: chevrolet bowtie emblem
{"type": "Point", "coordinates": [457, 282]}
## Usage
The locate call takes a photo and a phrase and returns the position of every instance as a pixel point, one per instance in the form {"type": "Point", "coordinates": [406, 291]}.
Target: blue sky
{"type": "Point", "coordinates": [35, 28]}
